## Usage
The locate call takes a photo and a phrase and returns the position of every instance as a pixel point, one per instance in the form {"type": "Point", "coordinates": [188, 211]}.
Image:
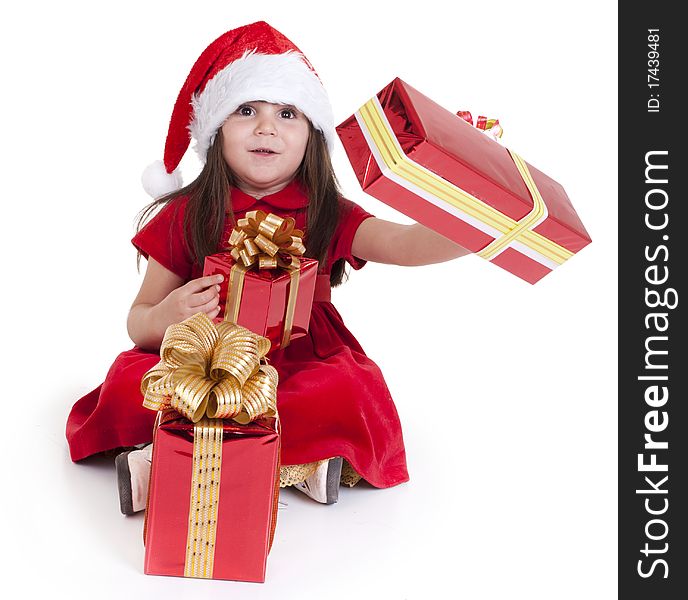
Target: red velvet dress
{"type": "Point", "coordinates": [332, 399]}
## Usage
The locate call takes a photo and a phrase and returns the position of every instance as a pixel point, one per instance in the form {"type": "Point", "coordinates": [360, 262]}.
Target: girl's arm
{"type": "Point", "coordinates": [164, 299]}
{"type": "Point", "coordinates": [143, 323]}
{"type": "Point", "coordinates": [407, 245]}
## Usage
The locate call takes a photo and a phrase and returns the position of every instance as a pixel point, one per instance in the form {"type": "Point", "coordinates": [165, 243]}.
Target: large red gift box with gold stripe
{"type": "Point", "coordinates": [436, 168]}
{"type": "Point", "coordinates": [218, 522]}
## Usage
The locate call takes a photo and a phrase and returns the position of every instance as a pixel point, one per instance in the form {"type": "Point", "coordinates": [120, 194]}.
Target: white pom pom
{"type": "Point", "coordinates": [157, 181]}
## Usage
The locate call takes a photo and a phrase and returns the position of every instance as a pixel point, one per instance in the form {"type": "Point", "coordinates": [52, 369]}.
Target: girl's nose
{"type": "Point", "coordinates": [265, 126]}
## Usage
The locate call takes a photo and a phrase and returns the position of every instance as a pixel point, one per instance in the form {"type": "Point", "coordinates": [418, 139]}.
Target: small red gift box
{"type": "Point", "coordinates": [431, 165]}
{"type": "Point", "coordinates": [182, 536]}
{"type": "Point", "coordinates": [263, 297]}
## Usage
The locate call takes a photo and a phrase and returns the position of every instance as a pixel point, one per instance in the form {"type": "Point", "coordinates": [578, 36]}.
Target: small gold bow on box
{"type": "Point", "coordinates": [266, 241]}
{"type": "Point", "coordinates": [207, 373]}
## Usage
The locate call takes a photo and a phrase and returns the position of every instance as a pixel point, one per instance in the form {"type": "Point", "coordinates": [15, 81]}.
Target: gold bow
{"type": "Point", "coordinates": [218, 371]}
{"type": "Point", "coordinates": [268, 240]}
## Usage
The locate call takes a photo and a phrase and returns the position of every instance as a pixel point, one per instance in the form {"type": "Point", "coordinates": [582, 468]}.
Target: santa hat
{"type": "Point", "coordinates": [253, 62]}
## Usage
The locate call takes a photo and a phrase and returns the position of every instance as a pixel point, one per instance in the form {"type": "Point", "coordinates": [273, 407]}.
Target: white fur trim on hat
{"type": "Point", "coordinates": [276, 78]}
{"type": "Point", "coordinates": [157, 181]}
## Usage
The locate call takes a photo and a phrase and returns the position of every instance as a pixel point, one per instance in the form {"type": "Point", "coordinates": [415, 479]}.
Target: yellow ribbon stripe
{"type": "Point", "coordinates": [396, 161]}
{"type": "Point", "coordinates": [205, 497]}
{"type": "Point", "coordinates": [528, 222]}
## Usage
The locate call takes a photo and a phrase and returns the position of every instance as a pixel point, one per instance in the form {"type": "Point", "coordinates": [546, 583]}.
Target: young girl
{"type": "Point", "coordinates": [264, 129]}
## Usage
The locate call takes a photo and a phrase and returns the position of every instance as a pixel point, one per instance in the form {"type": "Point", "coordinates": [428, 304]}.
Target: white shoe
{"type": "Point", "coordinates": [323, 484]}
{"type": "Point", "coordinates": [133, 472]}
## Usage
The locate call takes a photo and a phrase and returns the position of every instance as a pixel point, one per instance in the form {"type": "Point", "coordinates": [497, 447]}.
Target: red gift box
{"type": "Point", "coordinates": [431, 165]}
{"type": "Point", "coordinates": [264, 298]}
{"type": "Point", "coordinates": [246, 504]}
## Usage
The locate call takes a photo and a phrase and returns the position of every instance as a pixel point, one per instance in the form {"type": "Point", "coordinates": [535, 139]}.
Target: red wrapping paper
{"type": "Point", "coordinates": [248, 497]}
{"type": "Point", "coordinates": [458, 153]}
{"type": "Point", "coordinates": [263, 302]}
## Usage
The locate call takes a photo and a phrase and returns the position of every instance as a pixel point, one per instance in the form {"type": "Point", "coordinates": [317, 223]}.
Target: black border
{"type": "Point", "coordinates": [641, 131]}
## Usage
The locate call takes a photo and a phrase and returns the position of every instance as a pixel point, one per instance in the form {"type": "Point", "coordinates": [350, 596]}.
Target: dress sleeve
{"type": "Point", "coordinates": [350, 217]}
{"type": "Point", "coordinates": [163, 239]}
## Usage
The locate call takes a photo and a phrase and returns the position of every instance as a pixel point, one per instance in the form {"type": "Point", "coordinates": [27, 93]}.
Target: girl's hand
{"type": "Point", "coordinates": [198, 295]}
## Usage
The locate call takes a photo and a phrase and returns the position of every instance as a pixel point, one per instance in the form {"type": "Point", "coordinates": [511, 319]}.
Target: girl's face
{"type": "Point", "coordinates": [256, 126]}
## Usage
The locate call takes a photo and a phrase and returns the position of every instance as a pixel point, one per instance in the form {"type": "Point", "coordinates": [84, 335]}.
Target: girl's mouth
{"type": "Point", "coordinates": [263, 152]}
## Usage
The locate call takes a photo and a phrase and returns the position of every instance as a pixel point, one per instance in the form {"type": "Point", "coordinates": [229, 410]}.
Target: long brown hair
{"type": "Point", "coordinates": [204, 218]}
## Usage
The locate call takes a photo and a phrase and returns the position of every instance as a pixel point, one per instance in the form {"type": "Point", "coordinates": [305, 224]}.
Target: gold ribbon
{"type": "Point", "coordinates": [526, 223]}
{"type": "Point", "coordinates": [207, 373]}
{"type": "Point", "coordinates": [266, 241]}
{"type": "Point", "coordinates": [382, 138]}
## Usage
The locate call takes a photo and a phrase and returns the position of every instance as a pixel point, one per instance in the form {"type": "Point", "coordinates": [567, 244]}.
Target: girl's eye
{"type": "Point", "coordinates": [246, 110]}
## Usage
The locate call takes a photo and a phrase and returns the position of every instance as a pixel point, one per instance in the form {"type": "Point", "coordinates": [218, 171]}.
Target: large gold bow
{"type": "Point", "coordinates": [266, 240]}
{"type": "Point", "coordinates": [218, 371]}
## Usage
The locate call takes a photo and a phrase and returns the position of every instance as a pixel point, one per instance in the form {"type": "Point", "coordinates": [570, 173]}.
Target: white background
{"type": "Point", "coordinates": [506, 391]}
